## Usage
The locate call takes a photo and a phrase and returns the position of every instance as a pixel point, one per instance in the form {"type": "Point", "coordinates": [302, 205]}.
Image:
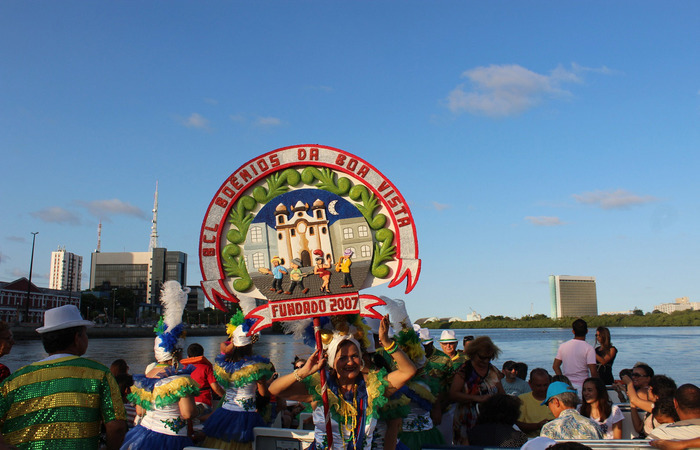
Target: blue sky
{"type": "Point", "coordinates": [529, 137]}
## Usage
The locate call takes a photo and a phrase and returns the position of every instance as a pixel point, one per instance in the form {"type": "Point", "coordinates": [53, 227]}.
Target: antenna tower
{"type": "Point", "coordinates": [99, 237]}
{"type": "Point", "coordinates": [153, 243]}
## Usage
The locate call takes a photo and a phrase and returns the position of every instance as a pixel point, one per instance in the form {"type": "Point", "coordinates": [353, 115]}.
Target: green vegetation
{"type": "Point", "coordinates": [638, 319]}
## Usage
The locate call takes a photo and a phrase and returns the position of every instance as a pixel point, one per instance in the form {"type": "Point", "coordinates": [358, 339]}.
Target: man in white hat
{"type": "Point", "coordinates": [448, 343]}
{"type": "Point", "coordinates": [441, 367]}
{"type": "Point", "coordinates": [61, 401]}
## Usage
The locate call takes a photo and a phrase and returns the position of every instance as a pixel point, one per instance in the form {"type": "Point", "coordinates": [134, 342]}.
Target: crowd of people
{"type": "Point", "coordinates": [388, 386]}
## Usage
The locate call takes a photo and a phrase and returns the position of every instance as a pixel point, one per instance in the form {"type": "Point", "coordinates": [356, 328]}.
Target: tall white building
{"type": "Point", "coordinates": [66, 269]}
{"type": "Point", "coordinates": [572, 296]}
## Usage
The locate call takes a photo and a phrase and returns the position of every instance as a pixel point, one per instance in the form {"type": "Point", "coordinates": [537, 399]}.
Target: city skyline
{"type": "Point", "coordinates": [529, 138]}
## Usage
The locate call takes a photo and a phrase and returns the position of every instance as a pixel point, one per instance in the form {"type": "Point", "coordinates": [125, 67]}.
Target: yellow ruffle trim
{"type": "Point", "coordinates": [165, 394]}
{"type": "Point", "coordinates": [251, 372]}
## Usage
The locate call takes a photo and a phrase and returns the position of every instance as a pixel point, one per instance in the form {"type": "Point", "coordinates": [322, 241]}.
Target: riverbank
{"type": "Point", "coordinates": [688, 318]}
{"type": "Point", "coordinates": [29, 333]}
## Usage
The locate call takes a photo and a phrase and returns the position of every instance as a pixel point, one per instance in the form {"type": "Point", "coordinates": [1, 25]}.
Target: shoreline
{"type": "Point", "coordinates": [25, 333]}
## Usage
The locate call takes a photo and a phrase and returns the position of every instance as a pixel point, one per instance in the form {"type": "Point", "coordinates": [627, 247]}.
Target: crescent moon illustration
{"type": "Point", "coordinates": [331, 207]}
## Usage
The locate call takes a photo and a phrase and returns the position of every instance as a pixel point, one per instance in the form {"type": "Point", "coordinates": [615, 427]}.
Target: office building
{"type": "Point", "coordinates": [66, 270]}
{"type": "Point", "coordinates": [142, 272]}
{"type": "Point", "coordinates": [572, 296]}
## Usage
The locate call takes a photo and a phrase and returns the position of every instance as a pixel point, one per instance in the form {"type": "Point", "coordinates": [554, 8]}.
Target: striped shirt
{"type": "Point", "coordinates": [59, 403]}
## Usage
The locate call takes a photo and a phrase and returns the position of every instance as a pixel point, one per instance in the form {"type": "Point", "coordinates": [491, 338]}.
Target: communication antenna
{"type": "Point", "coordinates": [153, 243]}
{"type": "Point", "coordinates": [99, 237]}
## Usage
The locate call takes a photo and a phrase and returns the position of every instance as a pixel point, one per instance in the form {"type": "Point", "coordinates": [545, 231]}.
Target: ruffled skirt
{"type": "Point", "coordinates": [141, 437]}
{"type": "Point", "coordinates": [229, 426]}
{"type": "Point", "coordinates": [415, 440]}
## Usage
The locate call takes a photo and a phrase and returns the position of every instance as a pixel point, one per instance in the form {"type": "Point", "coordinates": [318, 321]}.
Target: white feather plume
{"type": "Point", "coordinates": [297, 328]}
{"type": "Point", "coordinates": [174, 298]}
{"type": "Point", "coordinates": [397, 313]}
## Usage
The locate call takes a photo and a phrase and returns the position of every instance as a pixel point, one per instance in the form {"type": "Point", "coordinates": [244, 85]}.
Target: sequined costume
{"type": "Point", "coordinates": [231, 425]}
{"type": "Point", "coordinates": [354, 415]}
{"type": "Point", "coordinates": [59, 402]}
{"type": "Point", "coordinates": [162, 426]}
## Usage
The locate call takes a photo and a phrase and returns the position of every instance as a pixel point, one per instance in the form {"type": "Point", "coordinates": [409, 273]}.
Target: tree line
{"type": "Point", "coordinates": [687, 318]}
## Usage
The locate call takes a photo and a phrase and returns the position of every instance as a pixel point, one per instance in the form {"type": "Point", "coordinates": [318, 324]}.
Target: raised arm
{"type": "Point", "coordinates": [291, 387]}
{"type": "Point", "coordinates": [405, 369]}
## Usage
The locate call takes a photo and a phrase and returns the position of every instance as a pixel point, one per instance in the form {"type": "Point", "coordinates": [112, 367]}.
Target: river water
{"type": "Point", "coordinates": [673, 351]}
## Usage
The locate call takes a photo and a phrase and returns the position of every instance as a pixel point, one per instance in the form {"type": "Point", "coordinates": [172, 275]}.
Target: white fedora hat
{"type": "Point", "coordinates": [63, 317]}
{"type": "Point", "coordinates": [448, 336]}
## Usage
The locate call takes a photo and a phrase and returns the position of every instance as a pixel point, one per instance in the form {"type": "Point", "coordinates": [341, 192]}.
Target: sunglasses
{"type": "Point", "coordinates": [637, 375]}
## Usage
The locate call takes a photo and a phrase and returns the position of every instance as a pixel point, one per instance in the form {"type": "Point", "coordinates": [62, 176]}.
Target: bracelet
{"type": "Point", "coordinates": [392, 348]}
{"type": "Point", "coordinates": [297, 376]}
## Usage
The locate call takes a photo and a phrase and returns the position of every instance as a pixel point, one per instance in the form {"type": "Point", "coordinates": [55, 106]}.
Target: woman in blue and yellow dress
{"type": "Point", "coordinates": [243, 375]}
{"type": "Point", "coordinates": [354, 397]}
{"type": "Point", "coordinates": [165, 395]}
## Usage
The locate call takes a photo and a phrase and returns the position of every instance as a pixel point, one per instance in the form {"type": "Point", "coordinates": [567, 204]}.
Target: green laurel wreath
{"type": "Point", "coordinates": [279, 183]}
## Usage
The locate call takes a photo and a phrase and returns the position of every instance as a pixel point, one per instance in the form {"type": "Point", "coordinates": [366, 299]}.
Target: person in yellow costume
{"type": "Point", "coordinates": [343, 265]}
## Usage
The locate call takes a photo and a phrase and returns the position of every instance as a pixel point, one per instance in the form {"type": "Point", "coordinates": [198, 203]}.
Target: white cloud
{"type": "Point", "coordinates": [268, 122]}
{"type": "Point", "coordinates": [104, 209]}
{"type": "Point", "coordinates": [504, 90]}
{"type": "Point", "coordinates": [441, 206]}
{"type": "Point", "coordinates": [56, 214]}
{"type": "Point", "coordinates": [196, 121]}
{"type": "Point", "coordinates": [619, 199]}
{"type": "Point", "coordinates": [544, 221]}
{"type": "Point", "coordinates": [211, 101]}
{"type": "Point", "coordinates": [237, 118]}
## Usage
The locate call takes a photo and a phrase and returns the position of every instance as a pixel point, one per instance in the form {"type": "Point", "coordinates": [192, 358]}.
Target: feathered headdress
{"type": "Point", "coordinates": [405, 333]}
{"type": "Point", "coordinates": [170, 328]}
{"type": "Point", "coordinates": [334, 330]}
{"type": "Point", "coordinates": [238, 327]}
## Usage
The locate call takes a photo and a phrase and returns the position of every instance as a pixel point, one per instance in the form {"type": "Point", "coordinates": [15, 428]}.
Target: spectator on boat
{"type": "Point", "coordinates": [465, 343]}
{"type": "Point", "coordinates": [448, 343]}
{"type": "Point", "coordinates": [605, 354]}
{"type": "Point", "coordinates": [597, 406]}
{"type": "Point", "coordinates": [6, 342]}
{"type": "Point", "coordinates": [665, 411]}
{"type": "Point", "coordinates": [440, 367]}
{"type": "Point", "coordinates": [568, 423]}
{"type": "Point", "coordinates": [563, 379]}
{"type": "Point", "coordinates": [349, 386]}
{"type": "Point", "coordinates": [521, 370]}
{"type": "Point", "coordinates": [36, 400]}
{"type": "Point", "coordinates": [533, 414]}
{"type": "Point", "coordinates": [119, 367]}
{"type": "Point", "coordinates": [204, 376]}
{"type": "Point", "coordinates": [494, 425]}
{"type": "Point", "coordinates": [511, 383]}
{"type": "Point", "coordinates": [576, 357]}
{"type": "Point", "coordinates": [660, 386]}
{"type": "Point", "coordinates": [125, 381]}
{"type": "Point", "coordinates": [474, 383]}
{"type": "Point", "coordinates": [687, 402]}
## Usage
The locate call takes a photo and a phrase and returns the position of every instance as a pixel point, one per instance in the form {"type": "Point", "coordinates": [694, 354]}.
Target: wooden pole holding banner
{"type": "Point", "coordinates": [324, 383]}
